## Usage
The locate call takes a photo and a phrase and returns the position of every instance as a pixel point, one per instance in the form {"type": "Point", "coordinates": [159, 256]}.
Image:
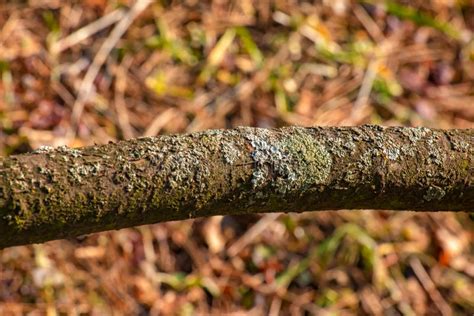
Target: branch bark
{"type": "Point", "coordinates": [54, 193]}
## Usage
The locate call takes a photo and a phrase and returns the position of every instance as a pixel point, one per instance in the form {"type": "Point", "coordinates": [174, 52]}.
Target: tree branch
{"type": "Point", "coordinates": [63, 192]}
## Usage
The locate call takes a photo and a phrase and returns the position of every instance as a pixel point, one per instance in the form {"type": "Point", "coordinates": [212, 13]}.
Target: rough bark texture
{"type": "Point", "coordinates": [55, 193]}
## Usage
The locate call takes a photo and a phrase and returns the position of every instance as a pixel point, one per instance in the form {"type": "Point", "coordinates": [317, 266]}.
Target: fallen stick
{"type": "Point", "coordinates": [55, 193]}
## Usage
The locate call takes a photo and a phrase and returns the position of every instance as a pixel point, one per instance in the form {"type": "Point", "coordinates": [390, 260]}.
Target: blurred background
{"type": "Point", "coordinates": [87, 72]}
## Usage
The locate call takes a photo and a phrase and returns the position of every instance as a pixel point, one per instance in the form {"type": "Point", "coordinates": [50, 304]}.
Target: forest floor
{"type": "Point", "coordinates": [87, 72]}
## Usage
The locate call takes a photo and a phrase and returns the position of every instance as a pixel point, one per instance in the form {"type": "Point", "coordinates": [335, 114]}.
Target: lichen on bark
{"type": "Point", "coordinates": [294, 160]}
{"type": "Point", "coordinates": [62, 192]}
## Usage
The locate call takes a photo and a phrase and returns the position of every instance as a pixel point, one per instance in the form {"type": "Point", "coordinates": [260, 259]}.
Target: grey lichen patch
{"type": "Point", "coordinates": [386, 145]}
{"type": "Point", "coordinates": [419, 136]}
{"type": "Point", "coordinates": [231, 152]}
{"type": "Point", "coordinates": [146, 148]}
{"type": "Point", "coordinates": [88, 170]}
{"type": "Point", "coordinates": [185, 172]}
{"type": "Point", "coordinates": [75, 173]}
{"type": "Point", "coordinates": [42, 170]}
{"type": "Point", "coordinates": [393, 153]}
{"type": "Point", "coordinates": [222, 139]}
{"type": "Point", "coordinates": [288, 162]}
{"type": "Point", "coordinates": [43, 150]}
{"type": "Point", "coordinates": [434, 193]}
{"type": "Point", "coordinates": [70, 151]}
{"type": "Point", "coordinates": [460, 144]}
{"type": "Point", "coordinates": [414, 134]}
{"type": "Point", "coordinates": [343, 144]}
{"type": "Point", "coordinates": [364, 164]}
{"type": "Point", "coordinates": [436, 153]}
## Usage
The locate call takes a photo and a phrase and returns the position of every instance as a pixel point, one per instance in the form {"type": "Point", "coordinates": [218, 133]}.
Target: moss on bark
{"type": "Point", "coordinates": [61, 192]}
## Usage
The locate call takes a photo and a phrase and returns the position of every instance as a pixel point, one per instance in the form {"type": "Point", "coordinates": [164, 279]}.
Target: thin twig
{"type": "Point", "coordinates": [430, 287]}
{"type": "Point", "coordinates": [99, 59]}
{"type": "Point", "coordinates": [119, 98]}
{"type": "Point", "coordinates": [87, 31]}
{"type": "Point", "coordinates": [160, 121]}
{"type": "Point", "coordinates": [252, 233]}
